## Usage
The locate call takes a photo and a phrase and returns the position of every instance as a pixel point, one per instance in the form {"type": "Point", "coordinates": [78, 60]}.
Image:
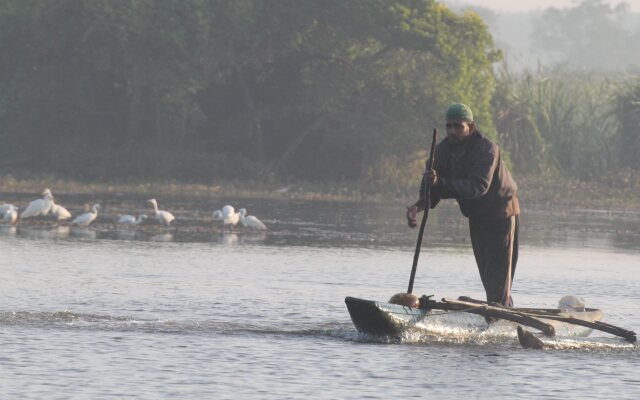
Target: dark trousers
{"type": "Point", "coordinates": [495, 246]}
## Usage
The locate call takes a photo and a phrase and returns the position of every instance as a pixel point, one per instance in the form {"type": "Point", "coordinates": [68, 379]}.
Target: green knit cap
{"type": "Point", "coordinates": [459, 111]}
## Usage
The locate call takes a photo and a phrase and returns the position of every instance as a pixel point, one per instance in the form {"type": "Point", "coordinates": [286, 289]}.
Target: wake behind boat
{"type": "Point", "coordinates": [387, 319]}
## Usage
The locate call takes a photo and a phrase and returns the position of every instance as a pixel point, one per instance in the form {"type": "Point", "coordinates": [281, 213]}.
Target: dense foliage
{"type": "Point", "coordinates": [207, 88]}
{"type": "Point", "coordinates": [320, 90]}
{"type": "Point", "coordinates": [569, 122]}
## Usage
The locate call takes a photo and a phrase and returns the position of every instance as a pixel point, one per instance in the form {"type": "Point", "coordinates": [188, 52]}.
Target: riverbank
{"type": "Point", "coordinates": [618, 195]}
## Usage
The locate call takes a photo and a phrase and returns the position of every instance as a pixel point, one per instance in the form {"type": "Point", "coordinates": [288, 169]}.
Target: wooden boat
{"type": "Point", "coordinates": [381, 318]}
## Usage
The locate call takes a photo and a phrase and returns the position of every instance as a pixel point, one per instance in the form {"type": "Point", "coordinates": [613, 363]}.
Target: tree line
{"type": "Point", "coordinates": [286, 89]}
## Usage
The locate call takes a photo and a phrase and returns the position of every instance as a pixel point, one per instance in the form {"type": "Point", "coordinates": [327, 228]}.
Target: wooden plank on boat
{"type": "Point", "coordinates": [502, 313]}
{"type": "Point", "coordinates": [629, 336]}
{"type": "Point", "coordinates": [555, 315]}
{"type": "Point", "coordinates": [552, 311]}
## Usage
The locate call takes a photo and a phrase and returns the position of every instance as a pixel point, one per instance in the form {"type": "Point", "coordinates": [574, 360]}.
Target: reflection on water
{"type": "Point", "coordinates": [232, 239]}
{"type": "Point", "coordinates": [228, 239]}
{"type": "Point", "coordinates": [85, 233]}
{"type": "Point", "coordinates": [253, 238]}
{"type": "Point", "coordinates": [162, 237]}
{"type": "Point", "coordinates": [35, 232]}
{"type": "Point", "coordinates": [125, 234]}
{"type": "Point", "coordinates": [8, 230]}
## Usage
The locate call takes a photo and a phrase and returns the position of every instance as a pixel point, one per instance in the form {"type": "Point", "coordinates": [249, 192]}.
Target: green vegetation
{"type": "Point", "coordinates": [570, 123]}
{"type": "Point", "coordinates": [337, 93]}
{"type": "Point", "coordinates": [199, 89]}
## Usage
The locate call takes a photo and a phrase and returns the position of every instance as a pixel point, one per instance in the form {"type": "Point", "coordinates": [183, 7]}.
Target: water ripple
{"type": "Point", "coordinates": [432, 335]}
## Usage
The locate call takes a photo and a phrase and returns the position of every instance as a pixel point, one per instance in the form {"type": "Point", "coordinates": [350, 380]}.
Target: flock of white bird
{"type": "Point", "coordinates": [230, 218]}
{"type": "Point", "coordinates": [46, 205]}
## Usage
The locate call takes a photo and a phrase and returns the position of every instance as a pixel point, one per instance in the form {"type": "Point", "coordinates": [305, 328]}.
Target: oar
{"type": "Point", "coordinates": [503, 313]}
{"type": "Point", "coordinates": [425, 215]}
{"type": "Point", "coordinates": [629, 336]}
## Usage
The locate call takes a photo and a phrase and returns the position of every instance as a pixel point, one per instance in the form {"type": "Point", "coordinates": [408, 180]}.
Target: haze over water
{"type": "Point", "coordinates": [105, 314]}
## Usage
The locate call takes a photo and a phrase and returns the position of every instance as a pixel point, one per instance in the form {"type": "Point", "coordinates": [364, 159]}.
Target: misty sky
{"type": "Point", "coordinates": [529, 5]}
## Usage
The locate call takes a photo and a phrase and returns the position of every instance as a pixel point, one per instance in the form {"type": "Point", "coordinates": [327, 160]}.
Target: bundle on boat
{"type": "Point", "coordinates": [383, 318]}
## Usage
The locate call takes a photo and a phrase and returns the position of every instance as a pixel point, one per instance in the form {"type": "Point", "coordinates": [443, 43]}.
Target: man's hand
{"type": "Point", "coordinates": [432, 177]}
{"type": "Point", "coordinates": [412, 214]}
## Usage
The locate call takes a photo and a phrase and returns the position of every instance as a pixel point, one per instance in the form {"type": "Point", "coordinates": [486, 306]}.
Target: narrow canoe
{"type": "Point", "coordinates": [386, 319]}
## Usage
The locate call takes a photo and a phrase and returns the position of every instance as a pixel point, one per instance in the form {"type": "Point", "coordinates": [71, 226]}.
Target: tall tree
{"type": "Point", "coordinates": [203, 88]}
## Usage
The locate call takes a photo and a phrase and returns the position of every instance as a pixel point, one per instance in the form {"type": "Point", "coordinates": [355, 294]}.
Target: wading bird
{"type": "Point", "coordinates": [230, 217]}
{"type": "Point", "coordinates": [250, 221]}
{"type": "Point", "coordinates": [10, 214]}
{"type": "Point", "coordinates": [39, 206]}
{"type": "Point", "coordinates": [5, 207]}
{"type": "Point", "coordinates": [59, 212]}
{"type": "Point", "coordinates": [85, 219]}
{"type": "Point", "coordinates": [164, 217]}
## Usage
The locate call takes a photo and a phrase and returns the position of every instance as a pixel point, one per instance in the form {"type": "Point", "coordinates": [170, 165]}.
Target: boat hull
{"type": "Point", "coordinates": [385, 319]}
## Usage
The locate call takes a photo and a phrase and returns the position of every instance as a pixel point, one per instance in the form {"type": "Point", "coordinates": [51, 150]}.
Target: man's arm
{"type": "Point", "coordinates": [483, 166]}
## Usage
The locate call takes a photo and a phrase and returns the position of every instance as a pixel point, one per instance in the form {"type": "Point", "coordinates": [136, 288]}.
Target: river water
{"type": "Point", "coordinates": [181, 313]}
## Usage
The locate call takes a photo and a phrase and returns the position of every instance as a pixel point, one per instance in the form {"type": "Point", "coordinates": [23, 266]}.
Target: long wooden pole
{"type": "Point", "coordinates": [427, 204]}
{"type": "Point", "coordinates": [628, 335]}
{"type": "Point", "coordinates": [503, 313]}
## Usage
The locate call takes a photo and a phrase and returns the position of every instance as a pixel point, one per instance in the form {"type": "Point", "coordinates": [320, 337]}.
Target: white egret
{"type": "Point", "coordinates": [39, 206]}
{"type": "Point", "coordinates": [251, 221]}
{"type": "Point", "coordinates": [131, 220]}
{"type": "Point", "coordinates": [164, 217]}
{"type": "Point", "coordinates": [59, 212]}
{"type": "Point", "coordinates": [227, 211]}
{"type": "Point", "coordinates": [85, 219]}
{"type": "Point", "coordinates": [10, 215]}
{"type": "Point", "coordinates": [229, 216]}
{"type": "Point", "coordinates": [6, 207]}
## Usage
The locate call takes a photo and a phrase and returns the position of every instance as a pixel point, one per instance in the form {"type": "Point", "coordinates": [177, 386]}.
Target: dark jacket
{"type": "Point", "coordinates": [474, 174]}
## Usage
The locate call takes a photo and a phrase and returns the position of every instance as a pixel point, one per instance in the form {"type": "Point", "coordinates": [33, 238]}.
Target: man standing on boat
{"type": "Point", "coordinates": [468, 167]}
